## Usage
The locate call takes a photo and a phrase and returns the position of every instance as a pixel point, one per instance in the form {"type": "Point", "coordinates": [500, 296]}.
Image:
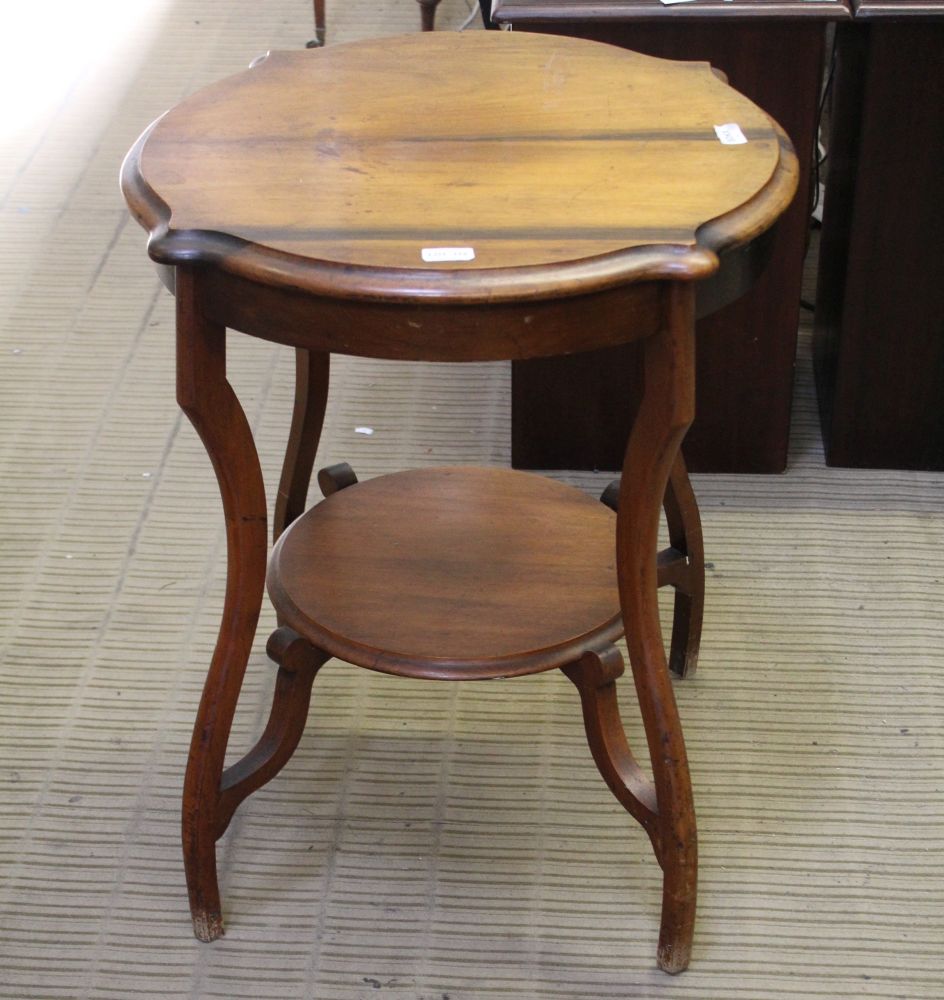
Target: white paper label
{"type": "Point", "coordinates": [669, 3]}
{"type": "Point", "coordinates": [430, 254]}
{"type": "Point", "coordinates": [730, 134]}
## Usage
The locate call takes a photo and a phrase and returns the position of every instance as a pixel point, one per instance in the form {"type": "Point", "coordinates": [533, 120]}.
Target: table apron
{"type": "Point", "coordinates": [427, 331]}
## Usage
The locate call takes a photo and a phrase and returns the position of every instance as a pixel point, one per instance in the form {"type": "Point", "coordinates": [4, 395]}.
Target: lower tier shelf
{"type": "Point", "coordinates": [451, 573]}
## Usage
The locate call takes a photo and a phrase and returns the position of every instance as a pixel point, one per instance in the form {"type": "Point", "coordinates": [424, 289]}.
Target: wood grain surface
{"type": "Point", "coordinates": [451, 573]}
{"type": "Point", "coordinates": [533, 151]}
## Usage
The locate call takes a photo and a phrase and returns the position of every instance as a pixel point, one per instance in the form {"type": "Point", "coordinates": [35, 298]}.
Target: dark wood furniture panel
{"type": "Point", "coordinates": [879, 341]}
{"type": "Point", "coordinates": [574, 412]}
{"type": "Point", "coordinates": [520, 12]}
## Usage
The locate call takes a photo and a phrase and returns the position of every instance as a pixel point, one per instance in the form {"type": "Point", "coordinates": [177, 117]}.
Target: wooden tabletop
{"type": "Point", "coordinates": [560, 163]}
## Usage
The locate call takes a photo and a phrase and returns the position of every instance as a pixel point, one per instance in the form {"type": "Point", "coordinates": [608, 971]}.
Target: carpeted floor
{"type": "Point", "coordinates": [443, 842]}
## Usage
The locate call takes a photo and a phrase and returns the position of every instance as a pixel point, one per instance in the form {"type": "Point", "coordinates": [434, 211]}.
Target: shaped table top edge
{"type": "Point", "coordinates": [553, 280]}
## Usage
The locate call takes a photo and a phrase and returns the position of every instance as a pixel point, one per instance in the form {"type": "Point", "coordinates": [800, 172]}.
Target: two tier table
{"type": "Point", "coordinates": [448, 197]}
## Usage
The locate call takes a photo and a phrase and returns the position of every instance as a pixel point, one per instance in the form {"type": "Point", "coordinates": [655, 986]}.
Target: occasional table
{"type": "Point", "coordinates": [879, 340]}
{"type": "Point", "coordinates": [574, 413]}
{"type": "Point", "coordinates": [333, 201]}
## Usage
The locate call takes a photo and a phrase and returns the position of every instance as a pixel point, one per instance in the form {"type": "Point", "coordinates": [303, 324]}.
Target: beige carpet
{"type": "Point", "coordinates": [427, 841]}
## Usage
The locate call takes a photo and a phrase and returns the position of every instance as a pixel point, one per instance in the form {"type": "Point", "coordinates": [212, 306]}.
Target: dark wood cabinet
{"type": "Point", "coordinates": [879, 340]}
{"type": "Point", "coordinates": [574, 412]}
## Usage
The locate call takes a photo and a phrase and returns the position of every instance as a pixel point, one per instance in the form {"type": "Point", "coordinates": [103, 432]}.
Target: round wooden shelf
{"type": "Point", "coordinates": [451, 573]}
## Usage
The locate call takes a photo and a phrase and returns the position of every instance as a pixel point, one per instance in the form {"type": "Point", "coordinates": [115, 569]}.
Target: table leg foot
{"type": "Point", "coordinates": [199, 844]}
{"type": "Point", "coordinates": [208, 927]}
{"type": "Point", "coordinates": [678, 912]}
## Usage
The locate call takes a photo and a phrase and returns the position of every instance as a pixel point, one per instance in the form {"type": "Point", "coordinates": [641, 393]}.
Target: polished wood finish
{"type": "Point", "coordinates": [208, 400]}
{"type": "Point", "coordinates": [594, 676]}
{"type": "Point", "coordinates": [307, 188]}
{"type": "Point", "coordinates": [681, 565]}
{"type": "Point", "coordinates": [454, 573]}
{"type": "Point", "coordinates": [576, 412]}
{"type": "Point", "coordinates": [879, 331]}
{"type": "Point", "coordinates": [468, 549]}
{"type": "Point", "coordinates": [666, 410]}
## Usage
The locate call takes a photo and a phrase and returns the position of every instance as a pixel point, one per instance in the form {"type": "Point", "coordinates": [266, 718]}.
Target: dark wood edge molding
{"type": "Point", "coordinates": [433, 668]}
{"type": "Point", "coordinates": [346, 281]}
{"type": "Point", "coordinates": [745, 223]}
{"type": "Point", "coordinates": [889, 10]}
{"type": "Point", "coordinates": [577, 12]}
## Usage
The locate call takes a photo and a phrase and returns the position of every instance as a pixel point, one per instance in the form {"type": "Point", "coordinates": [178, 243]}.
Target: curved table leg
{"type": "Point", "coordinates": [311, 399]}
{"type": "Point", "coordinates": [207, 398]}
{"type": "Point", "coordinates": [320, 26]}
{"type": "Point", "coordinates": [681, 566]}
{"type": "Point", "coordinates": [299, 662]}
{"type": "Point", "coordinates": [665, 413]}
{"type": "Point", "coordinates": [685, 537]}
{"type": "Point", "coordinates": [594, 675]}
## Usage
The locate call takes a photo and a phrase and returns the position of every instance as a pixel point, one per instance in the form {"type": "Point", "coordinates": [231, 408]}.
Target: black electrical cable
{"type": "Point", "coordinates": [818, 160]}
